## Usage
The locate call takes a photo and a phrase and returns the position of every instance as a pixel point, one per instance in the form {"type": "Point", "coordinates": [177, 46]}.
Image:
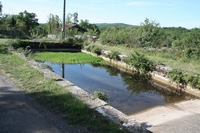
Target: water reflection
{"type": "Point", "coordinates": [63, 70]}
{"type": "Point", "coordinates": [128, 93]}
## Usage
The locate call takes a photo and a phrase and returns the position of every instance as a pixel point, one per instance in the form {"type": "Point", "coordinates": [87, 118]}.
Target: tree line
{"type": "Point", "coordinates": [27, 24]}
{"type": "Point", "coordinates": [148, 35]}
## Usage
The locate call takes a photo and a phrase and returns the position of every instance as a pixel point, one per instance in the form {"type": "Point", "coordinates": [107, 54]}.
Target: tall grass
{"type": "Point", "coordinates": [168, 57]}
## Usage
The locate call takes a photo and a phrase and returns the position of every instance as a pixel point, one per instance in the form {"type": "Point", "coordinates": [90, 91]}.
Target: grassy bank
{"type": "Point", "coordinates": [168, 57]}
{"type": "Point", "coordinates": [48, 93]}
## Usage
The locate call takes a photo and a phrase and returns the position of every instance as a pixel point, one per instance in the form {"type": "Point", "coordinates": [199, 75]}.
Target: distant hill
{"type": "Point", "coordinates": [100, 25]}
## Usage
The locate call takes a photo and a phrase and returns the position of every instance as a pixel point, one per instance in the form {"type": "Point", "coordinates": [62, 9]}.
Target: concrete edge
{"type": "Point", "coordinates": [94, 103]}
{"type": "Point", "coordinates": [158, 80]}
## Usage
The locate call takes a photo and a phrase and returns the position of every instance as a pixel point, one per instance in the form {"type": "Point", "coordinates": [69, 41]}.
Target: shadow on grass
{"type": "Point", "coordinates": [76, 112]}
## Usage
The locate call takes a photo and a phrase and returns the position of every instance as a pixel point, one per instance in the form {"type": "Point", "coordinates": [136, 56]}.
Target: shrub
{"type": "Point", "coordinates": [114, 55]}
{"type": "Point", "coordinates": [89, 48]}
{"type": "Point", "coordinates": [176, 76]}
{"type": "Point", "coordinates": [96, 50]}
{"type": "Point", "coordinates": [15, 44]}
{"type": "Point", "coordinates": [179, 77]}
{"type": "Point", "coordinates": [140, 62]}
{"type": "Point", "coordinates": [85, 43]}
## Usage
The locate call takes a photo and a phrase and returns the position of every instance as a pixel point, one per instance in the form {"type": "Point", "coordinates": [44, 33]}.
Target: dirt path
{"type": "Point", "coordinates": [19, 113]}
{"type": "Point", "coordinates": [183, 117]}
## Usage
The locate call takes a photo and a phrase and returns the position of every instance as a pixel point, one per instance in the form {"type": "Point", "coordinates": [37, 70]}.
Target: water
{"type": "Point", "coordinates": [127, 93]}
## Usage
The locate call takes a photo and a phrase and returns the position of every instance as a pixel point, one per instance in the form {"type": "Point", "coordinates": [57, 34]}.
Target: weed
{"type": "Point", "coordinates": [101, 95]}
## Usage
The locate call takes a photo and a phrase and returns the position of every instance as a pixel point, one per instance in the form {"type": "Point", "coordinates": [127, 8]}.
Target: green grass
{"type": "Point", "coordinates": [68, 57]}
{"type": "Point", "coordinates": [48, 93]}
{"type": "Point", "coordinates": [168, 57]}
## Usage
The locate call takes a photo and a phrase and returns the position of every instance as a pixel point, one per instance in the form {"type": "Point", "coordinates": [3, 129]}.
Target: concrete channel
{"type": "Point", "coordinates": [157, 119]}
{"type": "Point", "coordinates": [95, 103]}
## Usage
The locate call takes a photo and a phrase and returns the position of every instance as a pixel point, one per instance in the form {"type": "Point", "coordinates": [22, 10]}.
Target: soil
{"type": "Point", "coordinates": [19, 113]}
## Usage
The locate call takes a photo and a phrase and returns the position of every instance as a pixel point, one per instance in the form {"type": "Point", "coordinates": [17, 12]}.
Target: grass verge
{"type": "Point", "coordinates": [49, 94]}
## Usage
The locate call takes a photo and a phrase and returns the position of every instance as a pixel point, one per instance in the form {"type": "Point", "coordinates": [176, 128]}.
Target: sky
{"type": "Point", "coordinates": [168, 13]}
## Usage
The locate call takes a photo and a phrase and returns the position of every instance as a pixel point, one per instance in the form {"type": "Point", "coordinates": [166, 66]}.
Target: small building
{"type": "Point", "coordinates": [73, 26]}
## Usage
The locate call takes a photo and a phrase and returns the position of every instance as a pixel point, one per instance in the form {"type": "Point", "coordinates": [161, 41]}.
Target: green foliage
{"type": "Point", "coordinates": [26, 21]}
{"type": "Point", "coordinates": [39, 31]}
{"type": "Point", "coordinates": [72, 32]}
{"type": "Point", "coordinates": [101, 95]}
{"type": "Point", "coordinates": [180, 77]}
{"type": "Point", "coordinates": [53, 24]}
{"type": "Point", "coordinates": [85, 44]}
{"type": "Point", "coordinates": [20, 25]}
{"type": "Point", "coordinates": [140, 62]}
{"type": "Point", "coordinates": [70, 58]}
{"type": "Point", "coordinates": [26, 52]}
{"type": "Point", "coordinates": [43, 44]}
{"type": "Point", "coordinates": [54, 97]}
{"type": "Point", "coordinates": [90, 47]}
{"type": "Point", "coordinates": [96, 50]}
{"type": "Point", "coordinates": [14, 43]}
{"type": "Point", "coordinates": [72, 18]}
{"type": "Point", "coordinates": [3, 48]}
{"type": "Point", "coordinates": [176, 76]}
{"type": "Point", "coordinates": [150, 34]}
{"type": "Point", "coordinates": [114, 55]}
{"type": "Point", "coordinates": [92, 29]}
{"type": "Point", "coordinates": [119, 35]}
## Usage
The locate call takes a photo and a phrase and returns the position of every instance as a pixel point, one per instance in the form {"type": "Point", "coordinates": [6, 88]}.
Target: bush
{"type": "Point", "coordinates": [140, 62]}
{"type": "Point", "coordinates": [85, 44]}
{"type": "Point", "coordinates": [179, 77]}
{"type": "Point", "coordinates": [114, 55]}
{"type": "Point", "coordinates": [96, 50]}
{"type": "Point", "coordinates": [15, 44]}
{"type": "Point", "coordinates": [89, 48]}
{"type": "Point", "coordinates": [176, 76]}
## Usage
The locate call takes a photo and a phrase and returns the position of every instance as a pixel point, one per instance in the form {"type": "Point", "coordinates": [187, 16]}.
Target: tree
{"type": "Point", "coordinates": [26, 21]}
{"type": "Point", "coordinates": [150, 34]}
{"type": "Point", "coordinates": [8, 21]}
{"type": "Point", "coordinates": [40, 30]}
{"type": "Point", "coordinates": [91, 28]}
{"type": "Point", "coordinates": [72, 18]}
{"type": "Point", "coordinates": [53, 23]}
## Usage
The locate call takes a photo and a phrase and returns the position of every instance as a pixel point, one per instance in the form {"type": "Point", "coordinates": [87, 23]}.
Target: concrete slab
{"type": "Point", "coordinates": [183, 117]}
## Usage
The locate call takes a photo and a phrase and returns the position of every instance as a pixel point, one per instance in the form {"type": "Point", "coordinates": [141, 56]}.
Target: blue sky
{"type": "Point", "coordinates": [168, 13]}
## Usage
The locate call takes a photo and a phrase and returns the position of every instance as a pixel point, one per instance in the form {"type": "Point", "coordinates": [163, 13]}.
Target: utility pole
{"type": "Point", "coordinates": [1, 9]}
{"type": "Point", "coordinates": [63, 25]}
